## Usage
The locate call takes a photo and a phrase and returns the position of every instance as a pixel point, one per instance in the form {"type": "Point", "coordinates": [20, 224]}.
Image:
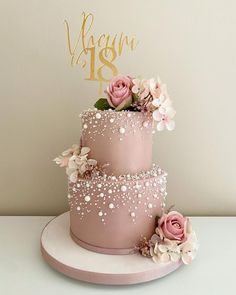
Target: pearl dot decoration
{"type": "Point", "coordinates": [111, 206]}
{"type": "Point", "coordinates": [96, 123]}
{"type": "Point", "coordinates": [122, 130]}
{"type": "Point", "coordinates": [132, 214]}
{"type": "Point", "coordinates": [104, 195]}
{"type": "Point", "coordinates": [98, 116]}
{"type": "Point", "coordinates": [145, 124]}
{"type": "Point", "coordinates": [123, 188]}
{"type": "Point", "coordinates": [87, 198]}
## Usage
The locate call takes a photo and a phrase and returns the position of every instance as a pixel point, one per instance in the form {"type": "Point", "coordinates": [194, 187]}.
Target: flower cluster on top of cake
{"type": "Point", "coordinates": [140, 95]}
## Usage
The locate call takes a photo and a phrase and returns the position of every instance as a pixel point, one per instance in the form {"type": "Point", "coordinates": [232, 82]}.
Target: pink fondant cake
{"type": "Point", "coordinates": [116, 194]}
{"type": "Point", "coordinates": [112, 212]}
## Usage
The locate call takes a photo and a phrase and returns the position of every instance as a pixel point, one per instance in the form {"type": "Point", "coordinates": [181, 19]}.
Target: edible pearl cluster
{"type": "Point", "coordinates": [133, 194]}
{"type": "Point", "coordinates": [123, 123]}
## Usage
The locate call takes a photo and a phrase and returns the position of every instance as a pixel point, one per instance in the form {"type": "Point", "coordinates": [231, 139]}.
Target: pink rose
{"type": "Point", "coordinates": [119, 92]}
{"type": "Point", "coordinates": [174, 226]}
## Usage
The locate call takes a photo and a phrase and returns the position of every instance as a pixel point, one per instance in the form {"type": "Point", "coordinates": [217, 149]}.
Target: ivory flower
{"type": "Point", "coordinates": [165, 251]}
{"type": "Point", "coordinates": [189, 248]}
{"type": "Point", "coordinates": [76, 162]}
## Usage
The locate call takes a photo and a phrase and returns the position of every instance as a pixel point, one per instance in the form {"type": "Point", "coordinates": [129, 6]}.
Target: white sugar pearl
{"type": "Point", "coordinates": [145, 124]}
{"type": "Point", "coordinates": [111, 206]}
{"type": "Point", "coordinates": [110, 191]}
{"type": "Point", "coordinates": [147, 183]}
{"type": "Point", "coordinates": [123, 188]}
{"type": "Point", "coordinates": [129, 115]}
{"type": "Point", "coordinates": [87, 185]}
{"type": "Point", "coordinates": [102, 195]}
{"type": "Point", "coordinates": [149, 205]}
{"type": "Point", "coordinates": [122, 130]}
{"type": "Point", "coordinates": [137, 186]}
{"type": "Point", "coordinates": [78, 185]}
{"type": "Point", "coordinates": [139, 195]}
{"type": "Point", "coordinates": [99, 185]}
{"type": "Point", "coordinates": [132, 214]}
{"type": "Point", "coordinates": [69, 196]}
{"type": "Point", "coordinates": [112, 120]}
{"type": "Point", "coordinates": [100, 213]}
{"type": "Point", "coordinates": [85, 126]}
{"type": "Point", "coordinates": [78, 208]}
{"type": "Point", "coordinates": [87, 198]}
{"type": "Point", "coordinates": [98, 116]}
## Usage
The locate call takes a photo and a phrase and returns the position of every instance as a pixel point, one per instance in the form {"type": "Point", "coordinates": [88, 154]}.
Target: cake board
{"type": "Point", "coordinates": [64, 255]}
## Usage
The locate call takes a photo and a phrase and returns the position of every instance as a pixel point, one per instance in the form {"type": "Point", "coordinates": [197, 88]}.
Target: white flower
{"type": "Point", "coordinates": [163, 88]}
{"type": "Point", "coordinates": [164, 115]}
{"type": "Point", "coordinates": [79, 164]}
{"type": "Point", "coordinates": [69, 152]}
{"type": "Point", "coordinates": [189, 248]}
{"type": "Point", "coordinates": [136, 86]}
{"type": "Point", "coordinates": [141, 88]}
{"type": "Point", "coordinates": [165, 251]}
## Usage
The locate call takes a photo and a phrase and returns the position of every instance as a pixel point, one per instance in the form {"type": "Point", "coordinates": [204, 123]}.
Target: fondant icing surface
{"type": "Point", "coordinates": [111, 215]}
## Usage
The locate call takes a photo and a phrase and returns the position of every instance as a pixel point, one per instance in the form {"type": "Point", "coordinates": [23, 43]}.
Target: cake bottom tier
{"type": "Point", "coordinates": [111, 214]}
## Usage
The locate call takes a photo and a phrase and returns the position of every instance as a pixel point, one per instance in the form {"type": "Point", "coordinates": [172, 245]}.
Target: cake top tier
{"type": "Point", "coordinates": [120, 140]}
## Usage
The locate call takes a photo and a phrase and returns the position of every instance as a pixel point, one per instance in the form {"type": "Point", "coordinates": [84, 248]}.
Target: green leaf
{"type": "Point", "coordinates": [132, 109]}
{"type": "Point", "coordinates": [102, 104]}
{"type": "Point", "coordinates": [135, 97]}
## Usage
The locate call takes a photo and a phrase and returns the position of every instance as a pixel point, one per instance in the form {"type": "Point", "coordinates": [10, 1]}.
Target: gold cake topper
{"type": "Point", "coordinates": [98, 54]}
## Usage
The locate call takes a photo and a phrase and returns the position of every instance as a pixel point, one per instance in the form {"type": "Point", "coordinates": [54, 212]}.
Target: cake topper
{"type": "Point", "coordinates": [97, 53]}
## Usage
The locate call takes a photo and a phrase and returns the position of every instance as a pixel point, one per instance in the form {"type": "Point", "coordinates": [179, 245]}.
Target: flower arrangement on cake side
{"type": "Point", "coordinates": [77, 164]}
{"type": "Point", "coordinates": [173, 240]}
{"type": "Point", "coordinates": [140, 95]}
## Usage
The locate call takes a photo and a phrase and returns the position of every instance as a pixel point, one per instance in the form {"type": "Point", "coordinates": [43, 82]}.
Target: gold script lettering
{"type": "Point", "coordinates": [99, 53]}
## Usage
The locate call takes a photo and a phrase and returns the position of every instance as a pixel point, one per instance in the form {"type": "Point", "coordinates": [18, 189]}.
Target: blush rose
{"type": "Point", "coordinates": [119, 94]}
{"type": "Point", "coordinates": [174, 226]}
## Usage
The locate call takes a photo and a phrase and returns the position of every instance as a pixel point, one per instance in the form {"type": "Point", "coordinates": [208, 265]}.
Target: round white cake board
{"type": "Point", "coordinates": [64, 255]}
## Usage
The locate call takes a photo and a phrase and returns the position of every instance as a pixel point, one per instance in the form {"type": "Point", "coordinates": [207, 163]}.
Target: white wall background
{"type": "Point", "coordinates": [190, 44]}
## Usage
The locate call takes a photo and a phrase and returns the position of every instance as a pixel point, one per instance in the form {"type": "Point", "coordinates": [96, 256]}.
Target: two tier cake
{"type": "Point", "coordinates": [116, 194]}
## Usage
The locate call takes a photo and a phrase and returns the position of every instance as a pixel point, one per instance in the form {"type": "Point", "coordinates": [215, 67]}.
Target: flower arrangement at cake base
{"type": "Point", "coordinates": [174, 240]}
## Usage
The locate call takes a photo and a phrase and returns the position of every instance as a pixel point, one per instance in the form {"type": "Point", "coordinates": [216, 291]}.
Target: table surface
{"type": "Point", "coordinates": [23, 271]}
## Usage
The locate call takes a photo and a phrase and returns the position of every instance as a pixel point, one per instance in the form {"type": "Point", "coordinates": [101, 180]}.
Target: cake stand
{"type": "Point", "coordinates": [64, 255]}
